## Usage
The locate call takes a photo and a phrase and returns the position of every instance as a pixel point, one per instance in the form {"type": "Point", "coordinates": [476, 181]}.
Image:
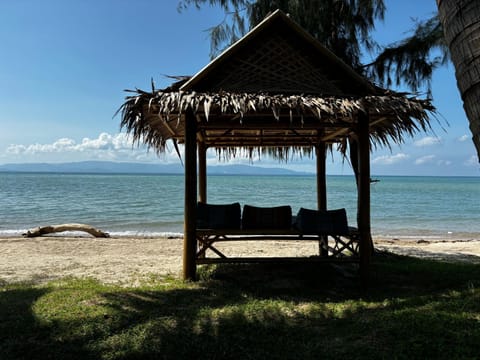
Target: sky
{"type": "Point", "coordinates": [64, 67]}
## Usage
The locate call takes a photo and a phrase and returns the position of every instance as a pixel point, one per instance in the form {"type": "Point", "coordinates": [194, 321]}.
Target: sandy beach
{"type": "Point", "coordinates": [128, 261]}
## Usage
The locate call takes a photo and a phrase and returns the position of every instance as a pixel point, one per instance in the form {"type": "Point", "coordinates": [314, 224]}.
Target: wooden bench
{"type": "Point", "coordinates": [261, 224]}
{"type": "Point", "coordinates": [342, 248]}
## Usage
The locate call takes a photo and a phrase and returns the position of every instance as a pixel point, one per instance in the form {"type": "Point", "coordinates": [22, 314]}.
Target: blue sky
{"type": "Point", "coordinates": [65, 64]}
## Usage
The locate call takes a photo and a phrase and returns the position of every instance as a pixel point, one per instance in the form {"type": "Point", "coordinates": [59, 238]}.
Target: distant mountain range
{"type": "Point", "coordinates": [107, 167]}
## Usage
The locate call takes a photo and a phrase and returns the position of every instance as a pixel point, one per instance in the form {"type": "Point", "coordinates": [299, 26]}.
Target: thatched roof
{"type": "Point", "coordinates": [279, 57]}
{"type": "Point", "coordinates": [276, 89]}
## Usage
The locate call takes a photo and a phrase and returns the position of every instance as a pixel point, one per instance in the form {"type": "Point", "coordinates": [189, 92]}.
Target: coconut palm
{"type": "Point", "coordinates": [461, 25]}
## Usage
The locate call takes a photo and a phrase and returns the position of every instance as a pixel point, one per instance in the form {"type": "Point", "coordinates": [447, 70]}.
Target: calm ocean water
{"type": "Point", "coordinates": [152, 205]}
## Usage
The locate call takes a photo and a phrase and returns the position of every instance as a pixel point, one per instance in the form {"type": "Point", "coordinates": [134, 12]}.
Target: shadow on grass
{"type": "Point", "coordinates": [413, 309]}
{"type": "Point", "coordinates": [18, 326]}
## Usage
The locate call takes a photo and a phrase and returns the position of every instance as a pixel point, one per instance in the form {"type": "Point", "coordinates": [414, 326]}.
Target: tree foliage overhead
{"type": "Point", "coordinates": [344, 27]}
{"type": "Point", "coordinates": [412, 60]}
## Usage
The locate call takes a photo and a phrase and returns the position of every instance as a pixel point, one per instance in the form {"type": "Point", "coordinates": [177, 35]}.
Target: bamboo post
{"type": "Point", "coordinates": [190, 211]}
{"type": "Point", "coordinates": [363, 216]}
{"type": "Point", "coordinates": [202, 172]}
{"type": "Point", "coordinates": [321, 154]}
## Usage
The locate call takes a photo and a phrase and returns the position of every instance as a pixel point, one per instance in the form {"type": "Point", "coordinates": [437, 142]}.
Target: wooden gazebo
{"type": "Point", "coordinates": [278, 91]}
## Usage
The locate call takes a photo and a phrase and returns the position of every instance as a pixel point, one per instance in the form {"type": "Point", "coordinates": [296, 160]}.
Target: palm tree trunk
{"type": "Point", "coordinates": [461, 25]}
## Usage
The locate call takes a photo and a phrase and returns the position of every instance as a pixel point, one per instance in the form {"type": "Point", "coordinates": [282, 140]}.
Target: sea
{"type": "Point", "coordinates": [152, 205]}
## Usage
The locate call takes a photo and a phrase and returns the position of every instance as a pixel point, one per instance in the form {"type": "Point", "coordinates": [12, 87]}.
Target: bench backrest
{"type": "Point", "coordinates": [307, 221]}
{"type": "Point", "coordinates": [322, 222]}
{"type": "Point", "coordinates": [278, 217]}
{"type": "Point", "coordinates": [221, 216]}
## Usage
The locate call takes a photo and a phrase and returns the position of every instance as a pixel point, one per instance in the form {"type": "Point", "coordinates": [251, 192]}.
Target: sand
{"type": "Point", "coordinates": [128, 261]}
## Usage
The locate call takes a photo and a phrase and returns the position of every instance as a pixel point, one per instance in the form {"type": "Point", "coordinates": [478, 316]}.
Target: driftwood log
{"type": "Point", "coordinates": [43, 230]}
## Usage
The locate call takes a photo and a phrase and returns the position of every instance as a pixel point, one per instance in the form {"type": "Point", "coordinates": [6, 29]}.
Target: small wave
{"type": "Point", "coordinates": [131, 233]}
{"type": "Point", "coordinates": [146, 234]}
{"type": "Point", "coordinates": [12, 233]}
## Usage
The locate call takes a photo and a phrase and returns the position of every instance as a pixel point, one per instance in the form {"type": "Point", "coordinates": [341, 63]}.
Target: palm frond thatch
{"type": "Point", "coordinates": [155, 117]}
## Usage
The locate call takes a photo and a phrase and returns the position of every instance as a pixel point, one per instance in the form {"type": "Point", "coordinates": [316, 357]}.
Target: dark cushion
{"type": "Point", "coordinates": [254, 217]}
{"type": "Point", "coordinates": [218, 216]}
{"type": "Point", "coordinates": [322, 222]}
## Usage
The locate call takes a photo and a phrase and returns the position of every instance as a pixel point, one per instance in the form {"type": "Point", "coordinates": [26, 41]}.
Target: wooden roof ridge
{"type": "Point", "coordinates": [279, 20]}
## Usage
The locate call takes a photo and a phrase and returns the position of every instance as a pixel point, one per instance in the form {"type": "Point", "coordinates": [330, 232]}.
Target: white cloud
{"type": "Point", "coordinates": [390, 159]}
{"type": "Point", "coordinates": [463, 138]}
{"type": "Point", "coordinates": [63, 144]}
{"type": "Point", "coordinates": [16, 149]}
{"type": "Point", "coordinates": [425, 159]}
{"type": "Point", "coordinates": [117, 147]}
{"type": "Point", "coordinates": [428, 141]}
{"type": "Point", "coordinates": [432, 159]}
{"type": "Point", "coordinates": [103, 142]}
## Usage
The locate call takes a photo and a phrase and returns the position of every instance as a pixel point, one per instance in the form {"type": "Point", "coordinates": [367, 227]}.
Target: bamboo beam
{"type": "Point", "coordinates": [321, 152]}
{"type": "Point", "coordinates": [264, 142]}
{"type": "Point", "coordinates": [190, 211]}
{"type": "Point", "coordinates": [341, 132]}
{"type": "Point", "coordinates": [264, 135]}
{"type": "Point", "coordinates": [282, 125]}
{"type": "Point", "coordinates": [202, 172]}
{"type": "Point", "coordinates": [363, 216]}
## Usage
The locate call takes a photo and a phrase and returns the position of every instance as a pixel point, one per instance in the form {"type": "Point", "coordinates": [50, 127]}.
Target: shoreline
{"type": "Point", "coordinates": [382, 237]}
{"type": "Point", "coordinates": [131, 260]}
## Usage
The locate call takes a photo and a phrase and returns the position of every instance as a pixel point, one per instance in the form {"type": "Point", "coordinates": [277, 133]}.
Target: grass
{"type": "Point", "coordinates": [413, 309]}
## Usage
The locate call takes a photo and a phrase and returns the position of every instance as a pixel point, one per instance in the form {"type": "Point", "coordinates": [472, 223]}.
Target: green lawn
{"type": "Point", "coordinates": [413, 309]}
